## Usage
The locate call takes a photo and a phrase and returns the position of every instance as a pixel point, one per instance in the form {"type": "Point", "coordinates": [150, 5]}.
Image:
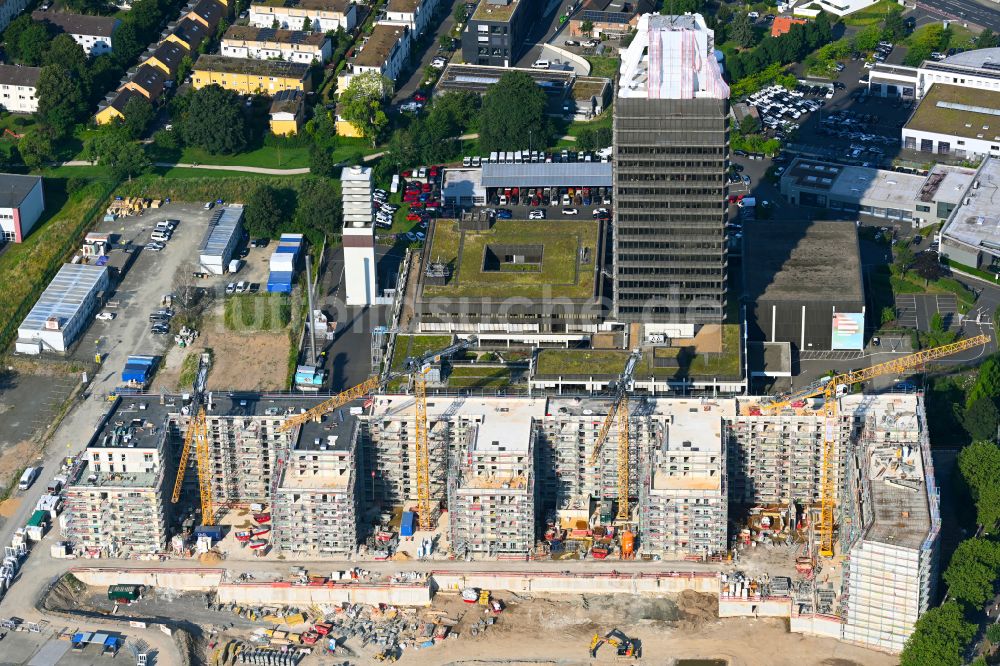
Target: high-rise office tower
{"type": "Point", "coordinates": [671, 150]}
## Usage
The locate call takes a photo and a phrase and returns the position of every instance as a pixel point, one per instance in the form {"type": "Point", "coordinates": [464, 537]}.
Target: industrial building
{"type": "Point", "coordinates": [359, 236]}
{"type": "Point", "coordinates": [22, 203]}
{"type": "Point", "coordinates": [507, 280]}
{"type": "Point", "coordinates": [223, 236]}
{"type": "Point", "coordinates": [64, 309]}
{"type": "Point", "coordinates": [892, 195]}
{"type": "Point", "coordinates": [978, 69]}
{"type": "Point", "coordinates": [955, 120]}
{"type": "Point", "coordinates": [671, 142]}
{"type": "Point", "coordinates": [495, 34]}
{"type": "Point", "coordinates": [971, 236]}
{"type": "Point", "coordinates": [803, 284]}
{"type": "Point", "coordinates": [115, 504]}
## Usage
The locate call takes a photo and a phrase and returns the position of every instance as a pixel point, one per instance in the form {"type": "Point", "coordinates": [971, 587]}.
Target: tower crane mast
{"type": "Point", "coordinates": [619, 412]}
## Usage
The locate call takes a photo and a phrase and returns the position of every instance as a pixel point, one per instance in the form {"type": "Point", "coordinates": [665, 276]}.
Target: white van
{"type": "Point", "coordinates": [27, 478]}
{"type": "Point", "coordinates": [160, 236]}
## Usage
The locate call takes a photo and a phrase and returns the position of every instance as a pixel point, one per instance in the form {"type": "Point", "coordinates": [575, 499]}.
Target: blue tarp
{"type": "Point", "coordinates": [280, 281]}
{"type": "Point", "coordinates": [406, 525]}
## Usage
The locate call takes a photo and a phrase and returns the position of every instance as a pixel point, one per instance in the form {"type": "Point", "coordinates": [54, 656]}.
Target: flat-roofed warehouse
{"type": "Point", "coordinates": [800, 278]}
{"type": "Point", "coordinates": [63, 310]}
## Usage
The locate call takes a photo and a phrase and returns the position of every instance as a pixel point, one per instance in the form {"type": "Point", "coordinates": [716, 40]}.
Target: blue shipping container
{"type": "Point", "coordinates": [406, 526]}
{"type": "Point", "coordinates": [138, 369]}
{"type": "Point", "coordinates": [280, 282]}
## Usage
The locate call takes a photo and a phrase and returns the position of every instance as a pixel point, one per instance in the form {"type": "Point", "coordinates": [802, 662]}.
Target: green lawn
{"type": "Point", "coordinates": [561, 273]}
{"type": "Point", "coordinates": [605, 66]}
{"type": "Point", "coordinates": [608, 363]}
{"type": "Point", "coordinates": [416, 346]}
{"type": "Point", "coordinates": [26, 268]}
{"type": "Point", "coordinates": [479, 377]}
{"type": "Point", "coordinates": [269, 157]}
{"type": "Point", "coordinates": [869, 15]}
{"type": "Point", "coordinates": [197, 185]}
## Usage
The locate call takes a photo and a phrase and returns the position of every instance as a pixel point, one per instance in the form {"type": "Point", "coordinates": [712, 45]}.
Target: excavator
{"type": "Point", "coordinates": [624, 646]}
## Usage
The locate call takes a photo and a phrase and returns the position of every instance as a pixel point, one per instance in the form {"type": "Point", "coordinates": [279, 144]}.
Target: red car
{"type": "Point", "coordinates": [426, 187]}
{"type": "Point", "coordinates": [734, 198]}
{"type": "Point", "coordinates": [416, 204]}
{"type": "Point", "coordinates": [419, 97]}
{"type": "Point", "coordinates": [413, 217]}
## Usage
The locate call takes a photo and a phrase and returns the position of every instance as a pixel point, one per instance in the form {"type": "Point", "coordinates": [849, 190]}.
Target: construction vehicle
{"type": "Point", "coordinates": [619, 413]}
{"type": "Point", "coordinates": [831, 389]}
{"type": "Point", "coordinates": [624, 646]}
{"type": "Point", "coordinates": [417, 368]}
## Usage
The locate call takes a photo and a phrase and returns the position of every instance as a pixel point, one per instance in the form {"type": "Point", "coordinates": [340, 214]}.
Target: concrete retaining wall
{"type": "Point", "coordinates": [567, 583]}
{"type": "Point", "coordinates": [198, 580]}
{"type": "Point", "coordinates": [781, 607]}
{"type": "Point", "coordinates": [331, 593]}
{"type": "Point", "coordinates": [817, 625]}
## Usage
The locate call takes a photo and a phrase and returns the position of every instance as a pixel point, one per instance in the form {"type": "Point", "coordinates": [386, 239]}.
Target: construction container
{"type": "Point", "coordinates": [407, 526]}
{"type": "Point", "coordinates": [126, 593]}
{"type": "Point", "coordinates": [286, 255]}
{"type": "Point", "coordinates": [280, 282]}
{"type": "Point", "coordinates": [37, 525]}
{"type": "Point", "coordinates": [138, 370]}
{"type": "Point", "coordinates": [225, 231]}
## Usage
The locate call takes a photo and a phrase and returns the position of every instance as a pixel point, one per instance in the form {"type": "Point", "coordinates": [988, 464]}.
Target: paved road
{"type": "Point", "coordinates": [545, 29]}
{"type": "Point", "coordinates": [969, 11]}
{"type": "Point", "coordinates": [416, 77]}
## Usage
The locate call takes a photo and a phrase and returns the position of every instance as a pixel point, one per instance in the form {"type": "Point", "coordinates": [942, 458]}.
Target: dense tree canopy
{"type": "Point", "coordinates": [214, 121]}
{"type": "Point", "coordinates": [979, 463]}
{"type": "Point", "coordinates": [113, 150]}
{"type": "Point", "coordinates": [973, 569]}
{"type": "Point", "coordinates": [939, 638]}
{"type": "Point", "coordinates": [514, 115]}
{"type": "Point", "coordinates": [264, 212]}
{"type": "Point", "coordinates": [319, 207]}
{"type": "Point", "coordinates": [361, 104]}
{"type": "Point", "coordinates": [61, 98]}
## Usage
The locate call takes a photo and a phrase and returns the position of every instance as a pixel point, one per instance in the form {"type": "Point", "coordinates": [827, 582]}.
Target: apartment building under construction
{"type": "Point", "coordinates": [315, 502]}
{"type": "Point", "coordinates": [115, 504]}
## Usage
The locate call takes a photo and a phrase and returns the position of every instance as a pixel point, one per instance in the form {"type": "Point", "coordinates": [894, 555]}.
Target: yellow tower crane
{"type": "Point", "coordinates": [829, 388]}
{"type": "Point", "coordinates": [619, 412]}
{"type": "Point", "coordinates": [417, 368]}
{"type": "Point", "coordinates": [197, 434]}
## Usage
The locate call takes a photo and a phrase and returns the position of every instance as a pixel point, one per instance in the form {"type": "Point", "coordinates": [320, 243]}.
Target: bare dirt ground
{"type": "Point", "coordinates": [248, 361]}
{"type": "Point", "coordinates": [536, 630]}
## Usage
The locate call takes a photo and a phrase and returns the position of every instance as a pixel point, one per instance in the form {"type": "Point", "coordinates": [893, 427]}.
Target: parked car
{"type": "Point", "coordinates": [160, 236]}
{"type": "Point", "coordinates": [209, 205]}
{"type": "Point", "coordinates": [231, 288]}
{"type": "Point", "coordinates": [154, 246]}
{"type": "Point", "coordinates": [571, 42]}
{"type": "Point", "coordinates": [260, 242]}
{"type": "Point", "coordinates": [536, 214]}
{"type": "Point", "coordinates": [540, 64]}
{"type": "Point", "coordinates": [105, 316]}
{"type": "Point", "coordinates": [570, 211]}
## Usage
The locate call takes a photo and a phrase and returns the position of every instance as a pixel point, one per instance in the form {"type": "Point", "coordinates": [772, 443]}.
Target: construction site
{"type": "Point", "coordinates": [820, 507]}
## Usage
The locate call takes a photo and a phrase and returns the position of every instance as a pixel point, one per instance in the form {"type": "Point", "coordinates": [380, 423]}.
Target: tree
{"type": "Point", "coordinates": [214, 121]}
{"type": "Point", "coordinates": [979, 463]}
{"type": "Point", "coordinates": [986, 40]}
{"type": "Point", "coordinates": [263, 212]}
{"type": "Point", "coordinates": [993, 634]}
{"type": "Point", "coordinates": [61, 99]}
{"type": "Point", "coordinates": [275, 25]}
{"type": "Point", "coordinates": [361, 104]}
{"type": "Point", "coordinates": [927, 266]}
{"type": "Point", "coordinates": [87, 6]}
{"type": "Point", "coordinates": [939, 637]}
{"type": "Point", "coordinates": [138, 114]}
{"type": "Point", "coordinates": [987, 384]}
{"type": "Point", "coordinates": [113, 150]}
{"type": "Point", "coordinates": [742, 31]}
{"type": "Point", "coordinates": [319, 207]}
{"type": "Point", "coordinates": [35, 147]}
{"type": "Point", "coordinates": [515, 109]}
{"type": "Point", "coordinates": [66, 52]}
{"type": "Point", "coordinates": [459, 13]}
{"type": "Point", "coordinates": [444, 41]}
{"type": "Point", "coordinates": [587, 27]}
{"type": "Point", "coordinates": [888, 315]}
{"type": "Point", "coordinates": [894, 26]}
{"type": "Point", "coordinates": [980, 419]}
{"type": "Point", "coordinates": [972, 571]}
{"type": "Point", "coordinates": [306, 24]}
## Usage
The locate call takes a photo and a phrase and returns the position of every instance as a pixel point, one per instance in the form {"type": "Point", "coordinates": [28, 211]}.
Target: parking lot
{"type": "Point", "coordinates": [917, 310]}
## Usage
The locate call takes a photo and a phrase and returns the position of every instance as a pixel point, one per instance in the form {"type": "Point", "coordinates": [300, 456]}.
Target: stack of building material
{"type": "Point", "coordinates": [283, 263]}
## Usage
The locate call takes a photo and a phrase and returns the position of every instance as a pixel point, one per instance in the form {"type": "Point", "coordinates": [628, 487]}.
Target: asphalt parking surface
{"type": "Point", "coordinates": [917, 310]}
